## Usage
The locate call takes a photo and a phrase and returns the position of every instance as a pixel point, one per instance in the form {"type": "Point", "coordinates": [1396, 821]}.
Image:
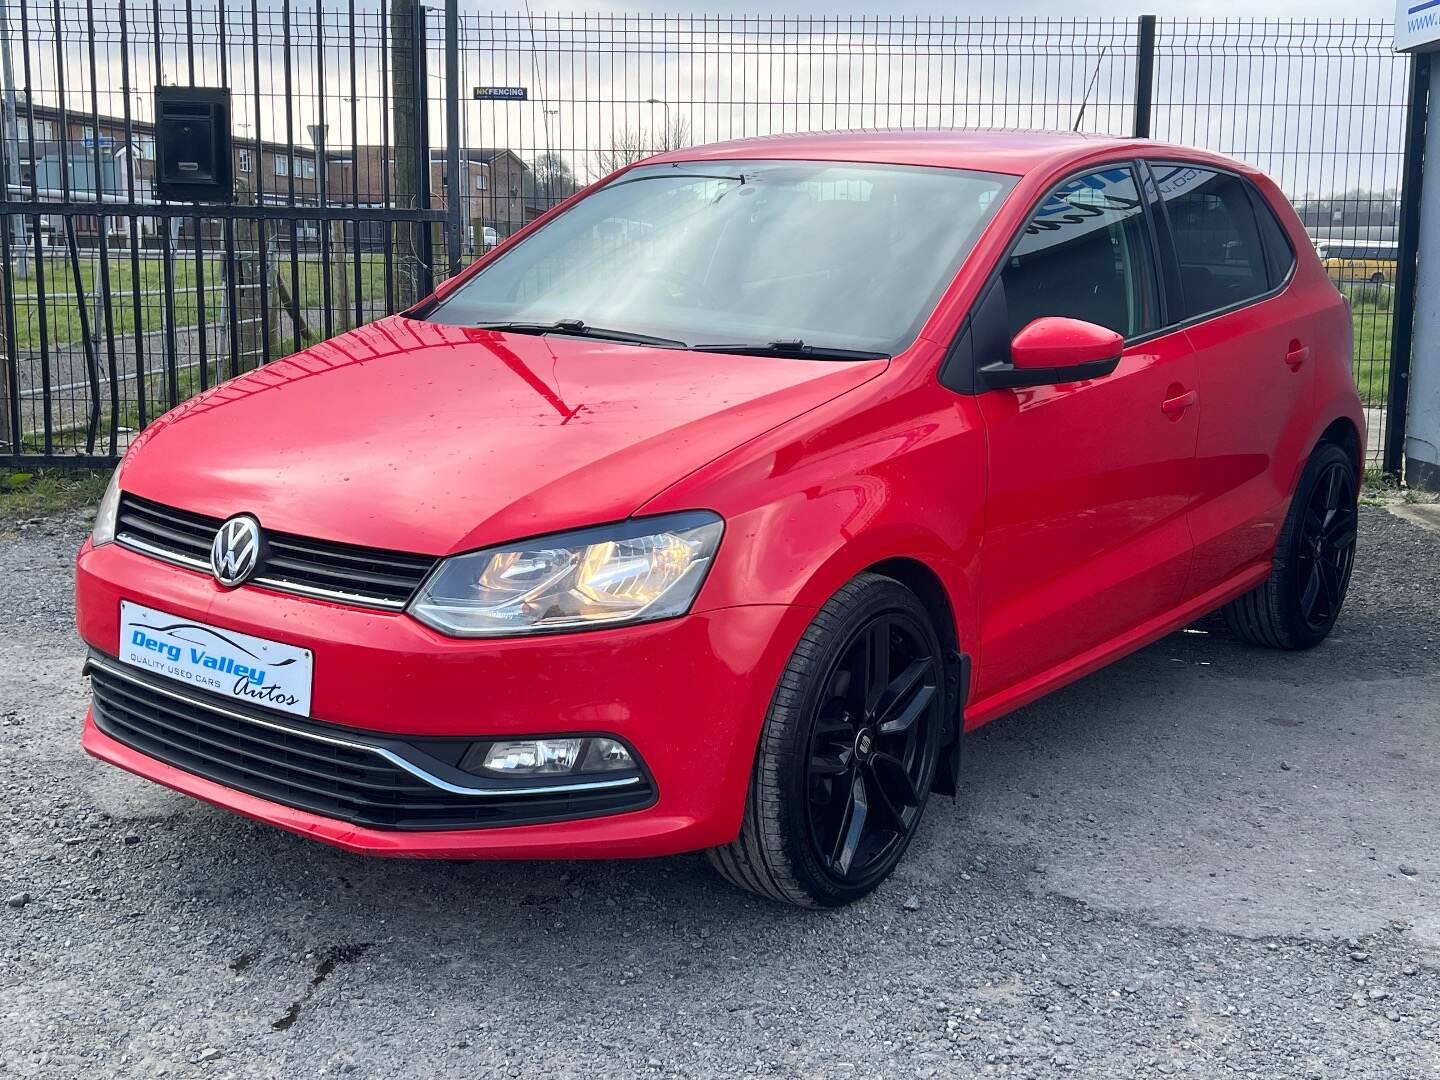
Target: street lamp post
{"type": "Point", "coordinates": [666, 138]}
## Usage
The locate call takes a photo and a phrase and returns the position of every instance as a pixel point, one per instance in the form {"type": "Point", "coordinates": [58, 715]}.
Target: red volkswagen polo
{"type": "Point", "coordinates": [708, 511]}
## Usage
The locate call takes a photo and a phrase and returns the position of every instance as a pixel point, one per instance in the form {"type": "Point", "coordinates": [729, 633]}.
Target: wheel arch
{"type": "Point", "coordinates": [1343, 432]}
{"type": "Point", "coordinates": [924, 582]}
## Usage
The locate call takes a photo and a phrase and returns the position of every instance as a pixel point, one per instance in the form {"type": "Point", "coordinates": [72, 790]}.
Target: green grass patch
{"type": "Point", "coordinates": [1372, 315]}
{"type": "Point", "coordinates": [62, 310]}
{"type": "Point", "coordinates": [25, 495]}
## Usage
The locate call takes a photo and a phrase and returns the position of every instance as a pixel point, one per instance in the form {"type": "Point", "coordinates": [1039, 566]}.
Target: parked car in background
{"type": "Point", "coordinates": [1353, 262]}
{"type": "Point", "coordinates": [711, 511]}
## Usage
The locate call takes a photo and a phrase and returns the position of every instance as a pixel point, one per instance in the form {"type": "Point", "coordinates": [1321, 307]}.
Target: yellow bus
{"type": "Point", "coordinates": [1350, 262]}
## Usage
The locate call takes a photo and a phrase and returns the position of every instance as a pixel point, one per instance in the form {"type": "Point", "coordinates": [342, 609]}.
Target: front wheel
{"type": "Point", "coordinates": [1301, 599]}
{"type": "Point", "coordinates": [847, 754]}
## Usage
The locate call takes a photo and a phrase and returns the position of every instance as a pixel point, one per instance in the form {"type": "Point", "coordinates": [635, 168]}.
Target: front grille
{"type": "Point", "coordinates": [305, 768]}
{"type": "Point", "coordinates": [368, 577]}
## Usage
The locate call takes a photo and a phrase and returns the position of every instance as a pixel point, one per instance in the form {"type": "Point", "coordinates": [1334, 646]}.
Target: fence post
{"type": "Point", "coordinates": [1144, 73]}
{"type": "Point", "coordinates": [405, 133]}
{"type": "Point", "coordinates": [9, 444]}
{"type": "Point", "coordinates": [1402, 328]}
{"type": "Point", "coordinates": [455, 212]}
{"type": "Point", "coordinates": [423, 172]}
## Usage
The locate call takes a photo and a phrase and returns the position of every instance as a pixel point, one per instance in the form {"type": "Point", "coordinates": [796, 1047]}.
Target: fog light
{"type": "Point", "coordinates": [548, 757]}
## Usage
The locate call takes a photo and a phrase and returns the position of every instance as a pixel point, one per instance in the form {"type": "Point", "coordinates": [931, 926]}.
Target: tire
{"type": "Point", "coordinates": [1299, 602]}
{"type": "Point", "coordinates": [1377, 278]}
{"type": "Point", "coordinates": [843, 769]}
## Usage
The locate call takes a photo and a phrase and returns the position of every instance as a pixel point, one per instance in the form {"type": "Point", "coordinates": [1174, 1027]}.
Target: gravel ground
{"type": "Point", "coordinates": [1207, 861]}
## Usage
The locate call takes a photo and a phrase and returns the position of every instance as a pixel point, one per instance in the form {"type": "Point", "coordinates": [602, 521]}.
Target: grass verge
{"type": "Point", "coordinates": [25, 495]}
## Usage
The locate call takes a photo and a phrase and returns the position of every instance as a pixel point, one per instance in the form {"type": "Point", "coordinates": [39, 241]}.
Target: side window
{"type": "Point", "coordinates": [1279, 255]}
{"type": "Point", "coordinates": [1217, 239]}
{"type": "Point", "coordinates": [1085, 255]}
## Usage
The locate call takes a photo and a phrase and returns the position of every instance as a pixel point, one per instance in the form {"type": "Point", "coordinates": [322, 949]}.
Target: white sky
{"type": "Point", "coordinates": [1321, 111]}
{"type": "Point", "coordinates": [1247, 9]}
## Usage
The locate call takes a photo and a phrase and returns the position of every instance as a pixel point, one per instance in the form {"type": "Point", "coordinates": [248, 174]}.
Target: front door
{"type": "Point", "coordinates": [1089, 482]}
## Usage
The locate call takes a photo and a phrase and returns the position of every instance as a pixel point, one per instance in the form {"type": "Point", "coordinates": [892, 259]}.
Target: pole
{"type": "Point", "coordinates": [12, 138]}
{"type": "Point", "coordinates": [1402, 328]}
{"type": "Point", "coordinates": [1144, 73]}
{"type": "Point", "coordinates": [405, 114]}
{"type": "Point", "coordinates": [425, 268]}
{"type": "Point", "coordinates": [1418, 411]}
{"type": "Point", "coordinates": [454, 210]}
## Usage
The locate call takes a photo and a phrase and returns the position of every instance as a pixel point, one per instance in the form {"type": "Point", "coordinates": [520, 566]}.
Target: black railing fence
{"type": "Point", "coordinates": [379, 149]}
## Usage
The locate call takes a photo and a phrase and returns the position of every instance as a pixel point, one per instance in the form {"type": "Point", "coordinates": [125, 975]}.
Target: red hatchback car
{"type": "Point", "coordinates": [708, 511]}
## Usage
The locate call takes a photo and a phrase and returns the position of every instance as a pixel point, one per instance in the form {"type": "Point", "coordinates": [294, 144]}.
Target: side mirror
{"type": "Point", "coordinates": [1056, 350]}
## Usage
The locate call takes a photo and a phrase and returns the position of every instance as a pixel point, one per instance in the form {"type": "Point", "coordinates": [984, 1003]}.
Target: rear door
{"type": "Point", "coordinates": [1253, 344]}
{"type": "Point", "coordinates": [1089, 482]}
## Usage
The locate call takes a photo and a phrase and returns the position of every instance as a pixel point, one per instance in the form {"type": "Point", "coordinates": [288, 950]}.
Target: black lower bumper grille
{"type": "Point", "coordinates": [263, 756]}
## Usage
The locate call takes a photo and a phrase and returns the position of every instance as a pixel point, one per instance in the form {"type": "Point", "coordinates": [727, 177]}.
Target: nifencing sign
{"type": "Point", "coordinates": [515, 93]}
{"type": "Point", "coordinates": [1417, 25]}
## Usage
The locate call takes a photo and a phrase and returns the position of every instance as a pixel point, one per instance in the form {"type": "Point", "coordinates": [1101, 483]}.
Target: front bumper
{"type": "Point", "coordinates": [688, 695]}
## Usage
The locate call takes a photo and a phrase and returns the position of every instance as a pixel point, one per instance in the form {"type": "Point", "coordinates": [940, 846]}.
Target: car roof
{"type": "Point", "coordinates": [988, 150]}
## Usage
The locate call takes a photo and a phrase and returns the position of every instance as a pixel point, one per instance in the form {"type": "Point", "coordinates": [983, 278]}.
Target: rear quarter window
{"type": "Point", "coordinates": [1279, 253]}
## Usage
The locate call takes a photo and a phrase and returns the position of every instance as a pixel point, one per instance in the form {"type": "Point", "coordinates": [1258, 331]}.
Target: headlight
{"type": "Point", "coordinates": [104, 530]}
{"type": "Point", "coordinates": [635, 571]}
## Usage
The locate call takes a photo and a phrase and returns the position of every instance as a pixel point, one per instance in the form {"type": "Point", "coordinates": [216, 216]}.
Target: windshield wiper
{"type": "Point", "coordinates": [576, 328]}
{"type": "Point", "coordinates": [796, 349]}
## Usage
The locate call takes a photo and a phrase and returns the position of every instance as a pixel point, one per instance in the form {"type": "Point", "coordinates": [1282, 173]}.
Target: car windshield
{"type": "Point", "coordinates": [832, 255]}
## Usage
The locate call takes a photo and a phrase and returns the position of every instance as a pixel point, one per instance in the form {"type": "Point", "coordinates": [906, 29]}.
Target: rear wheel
{"type": "Point", "coordinates": [848, 752]}
{"type": "Point", "coordinates": [1377, 278]}
{"type": "Point", "coordinates": [1300, 601]}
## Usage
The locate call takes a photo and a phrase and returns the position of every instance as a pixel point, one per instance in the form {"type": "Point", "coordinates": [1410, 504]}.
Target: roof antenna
{"type": "Point", "coordinates": [1094, 75]}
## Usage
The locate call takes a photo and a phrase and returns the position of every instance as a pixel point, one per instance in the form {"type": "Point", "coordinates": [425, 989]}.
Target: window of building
{"type": "Point", "coordinates": [480, 182]}
{"type": "Point", "coordinates": [245, 162]}
{"type": "Point", "coordinates": [282, 166]}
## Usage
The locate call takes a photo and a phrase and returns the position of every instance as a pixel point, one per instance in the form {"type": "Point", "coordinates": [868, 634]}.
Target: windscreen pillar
{"type": "Point", "coordinates": [1422, 439]}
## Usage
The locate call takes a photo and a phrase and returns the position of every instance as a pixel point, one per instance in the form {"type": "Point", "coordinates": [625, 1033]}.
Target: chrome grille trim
{"type": "Point", "coordinates": [340, 573]}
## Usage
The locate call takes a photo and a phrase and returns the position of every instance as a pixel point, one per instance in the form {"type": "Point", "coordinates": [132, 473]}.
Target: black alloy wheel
{"type": "Point", "coordinates": [849, 750]}
{"type": "Point", "coordinates": [873, 747]}
{"type": "Point", "coordinates": [1325, 552]}
{"type": "Point", "coordinates": [1296, 606]}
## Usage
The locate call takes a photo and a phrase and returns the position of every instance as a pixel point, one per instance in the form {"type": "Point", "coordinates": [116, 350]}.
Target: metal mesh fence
{"type": "Point", "coordinates": [353, 195]}
{"type": "Point", "coordinates": [1320, 107]}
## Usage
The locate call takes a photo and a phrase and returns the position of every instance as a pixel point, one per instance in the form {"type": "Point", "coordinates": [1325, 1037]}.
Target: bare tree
{"type": "Point", "coordinates": [550, 180]}
{"type": "Point", "coordinates": [629, 146]}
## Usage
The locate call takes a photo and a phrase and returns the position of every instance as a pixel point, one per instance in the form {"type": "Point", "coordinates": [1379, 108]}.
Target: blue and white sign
{"type": "Point", "coordinates": [1417, 25]}
{"type": "Point", "coordinates": [249, 669]}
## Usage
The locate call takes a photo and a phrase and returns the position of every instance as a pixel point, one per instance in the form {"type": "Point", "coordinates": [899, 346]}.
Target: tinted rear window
{"type": "Point", "coordinates": [1217, 238]}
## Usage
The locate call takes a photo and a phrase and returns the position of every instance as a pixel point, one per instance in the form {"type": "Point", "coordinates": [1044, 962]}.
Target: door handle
{"type": "Point", "coordinates": [1176, 406]}
{"type": "Point", "coordinates": [1297, 355]}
